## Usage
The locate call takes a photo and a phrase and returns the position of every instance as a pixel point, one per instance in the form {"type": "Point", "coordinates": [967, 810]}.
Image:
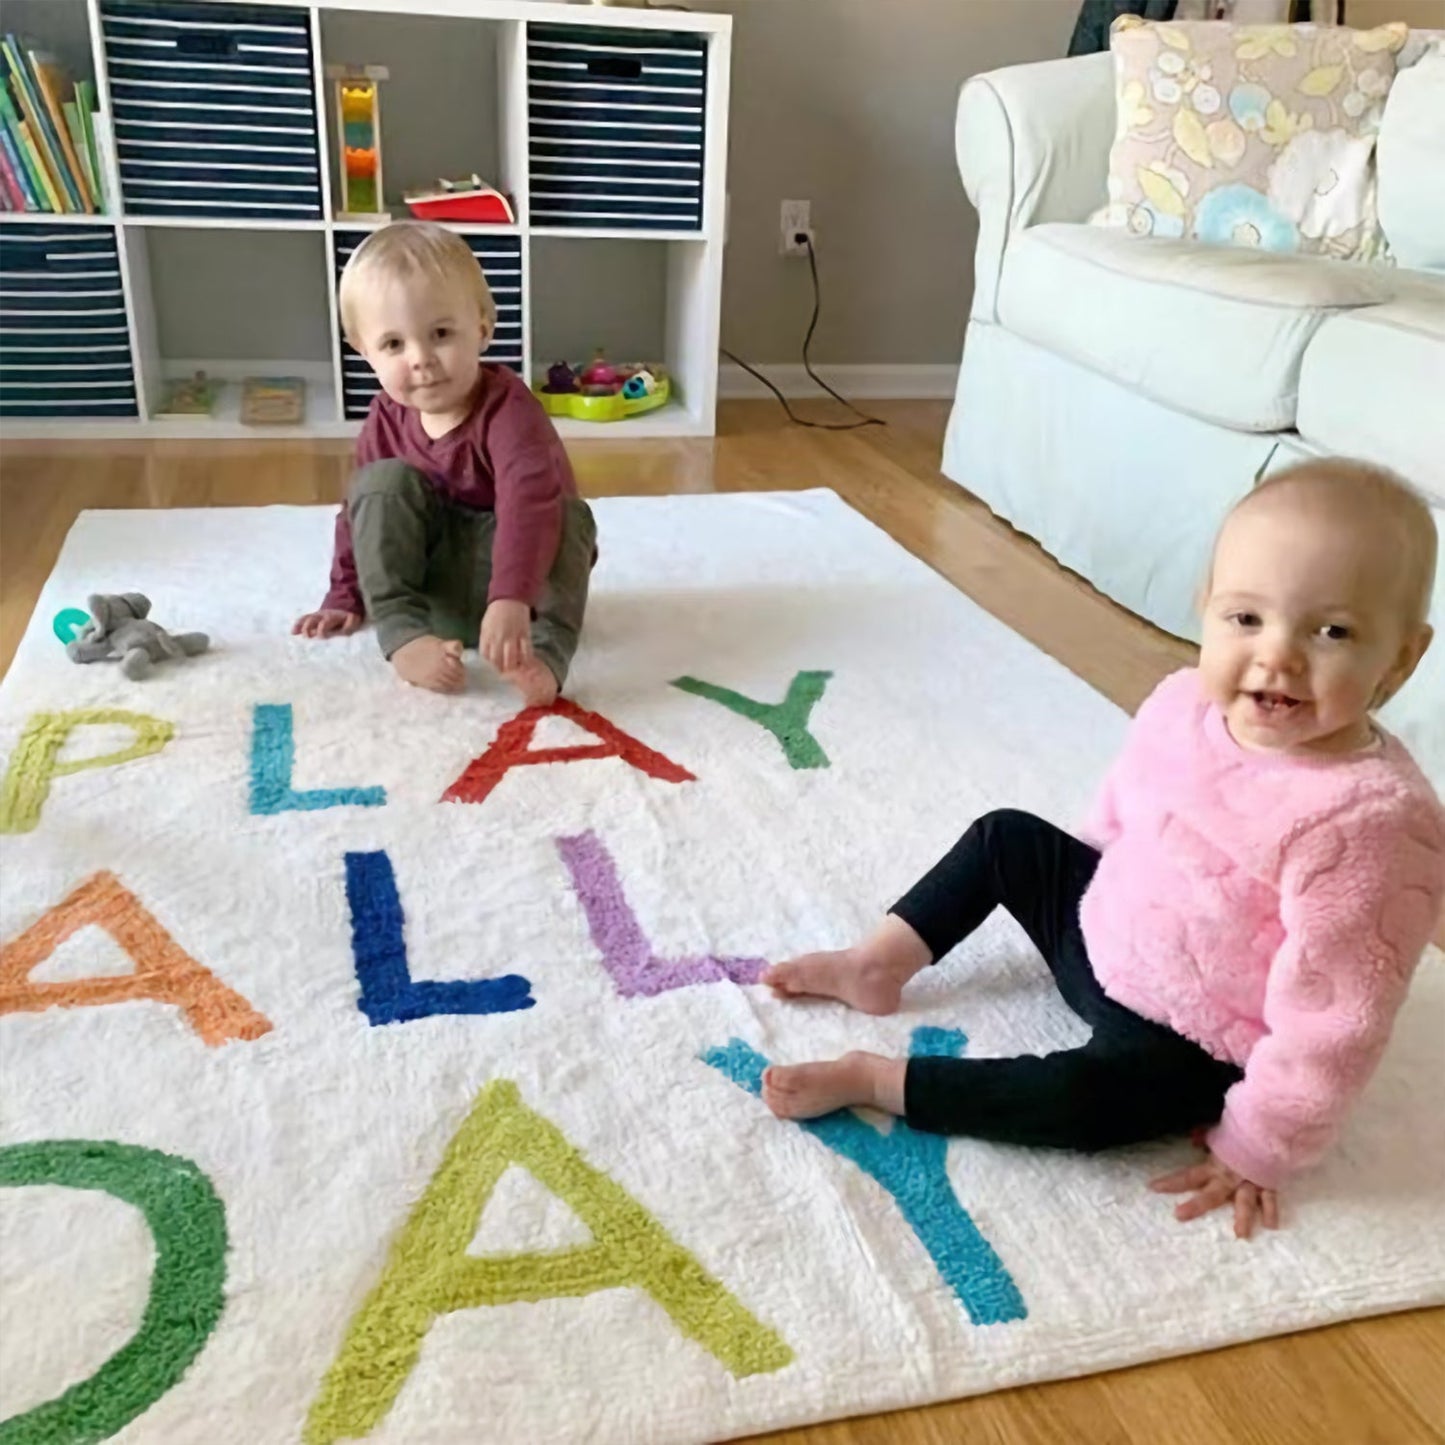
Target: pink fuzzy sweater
{"type": "Point", "coordinates": [1271, 907]}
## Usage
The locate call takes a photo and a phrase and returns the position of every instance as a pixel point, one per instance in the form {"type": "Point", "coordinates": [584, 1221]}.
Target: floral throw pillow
{"type": "Point", "coordinates": [1254, 135]}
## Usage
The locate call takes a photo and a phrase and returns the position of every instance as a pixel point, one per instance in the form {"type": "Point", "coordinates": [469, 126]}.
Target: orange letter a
{"type": "Point", "coordinates": [163, 971]}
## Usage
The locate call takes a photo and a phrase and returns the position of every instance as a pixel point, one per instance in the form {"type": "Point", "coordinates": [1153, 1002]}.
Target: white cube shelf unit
{"type": "Point", "coordinates": [606, 126]}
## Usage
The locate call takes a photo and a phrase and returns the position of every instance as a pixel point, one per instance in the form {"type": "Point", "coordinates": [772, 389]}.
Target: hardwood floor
{"type": "Point", "coordinates": [1379, 1381]}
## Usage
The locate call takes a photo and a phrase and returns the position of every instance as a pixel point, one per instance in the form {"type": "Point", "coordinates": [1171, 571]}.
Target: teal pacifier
{"type": "Point", "coordinates": [68, 622]}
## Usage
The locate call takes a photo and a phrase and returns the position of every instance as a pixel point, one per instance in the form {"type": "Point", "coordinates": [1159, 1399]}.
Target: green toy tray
{"type": "Point", "coordinates": [602, 408]}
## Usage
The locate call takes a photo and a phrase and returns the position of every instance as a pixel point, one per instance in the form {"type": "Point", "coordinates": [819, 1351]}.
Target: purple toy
{"type": "Point", "coordinates": [560, 378]}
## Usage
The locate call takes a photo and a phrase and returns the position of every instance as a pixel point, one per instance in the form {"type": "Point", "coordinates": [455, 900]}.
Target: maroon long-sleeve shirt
{"type": "Point", "coordinates": [505, 458]}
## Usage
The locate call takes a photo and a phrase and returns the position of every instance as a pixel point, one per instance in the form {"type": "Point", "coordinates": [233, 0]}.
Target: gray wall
{"type": "Point", "coordinates": [233, 295]}
{"type": "Point", "coordinates": [850, 104]}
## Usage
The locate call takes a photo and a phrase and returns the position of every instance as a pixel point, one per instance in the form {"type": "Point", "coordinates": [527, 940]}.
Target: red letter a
{"type": "Point", "coordinates": [511, 750]}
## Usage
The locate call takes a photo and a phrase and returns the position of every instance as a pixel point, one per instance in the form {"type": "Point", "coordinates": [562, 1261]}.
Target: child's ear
{"type": "Point", "coordinates": [1412, 649]}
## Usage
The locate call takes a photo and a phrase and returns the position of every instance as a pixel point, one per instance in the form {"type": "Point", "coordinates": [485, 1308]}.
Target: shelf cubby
{"type": "Point", "coordinates": [213, 109]}
{"type": "Point", "coordinates": [617, 125]}
{"type": "Point", "coordinates": [425, 56]}
{"type": "Point", "coordinates": [66, 350]}
{"type": "Point", "coordinates": [235, 304]}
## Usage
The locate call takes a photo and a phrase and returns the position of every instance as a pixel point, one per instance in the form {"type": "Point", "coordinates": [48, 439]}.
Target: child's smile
{"type": "Point", "coordinates": [1275, 705]}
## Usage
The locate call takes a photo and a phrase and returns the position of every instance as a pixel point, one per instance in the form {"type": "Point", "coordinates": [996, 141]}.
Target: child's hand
{"type": "Point", "coordinates": [1215, 1184]}
{"type": "Point", "coordinates": [506, 640]}
{"type": "Point", "coordinates": [329, 622]}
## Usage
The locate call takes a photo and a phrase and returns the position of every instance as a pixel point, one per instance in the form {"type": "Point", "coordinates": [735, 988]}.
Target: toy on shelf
{"type": "Point", "coordinates": [190, 396]}
{"type": "Point", "coordinates": [468, 198]}
{"type": "Point", "coordinates": [600, 378]}
{"type": "Point", "coordinates": [273, 401]}
{"type": "Point", "coordinates": [121, 628]}
{"type": "Point", "coordinates": [601, 391]}
{"type": "Point", "coordinates": [358, 139]}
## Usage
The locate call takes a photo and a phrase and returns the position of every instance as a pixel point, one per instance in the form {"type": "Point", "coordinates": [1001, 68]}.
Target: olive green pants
{"type": "Point", "coordinates": [425, 565]}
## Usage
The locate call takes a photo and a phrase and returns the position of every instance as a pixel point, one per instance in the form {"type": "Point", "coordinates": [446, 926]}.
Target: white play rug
{"type": "Point", "coordinates": [373, 1065]}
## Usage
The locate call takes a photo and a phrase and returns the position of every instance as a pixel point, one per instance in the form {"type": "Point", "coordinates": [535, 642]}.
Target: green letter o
{"type": "Point", "coordinates": [188, 1222]}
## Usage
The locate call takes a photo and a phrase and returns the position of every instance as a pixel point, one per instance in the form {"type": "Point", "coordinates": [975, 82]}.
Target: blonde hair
{"type": "Point", "coordinates": [407, 249]}
{"type": "Point", "coordinates": [1385, 499]}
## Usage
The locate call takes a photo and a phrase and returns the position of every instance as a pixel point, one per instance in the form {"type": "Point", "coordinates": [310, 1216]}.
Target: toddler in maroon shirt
{"type": "Point", "coordinates": [462, 525]}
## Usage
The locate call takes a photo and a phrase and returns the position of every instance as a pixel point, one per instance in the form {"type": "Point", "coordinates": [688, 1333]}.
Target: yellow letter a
{"type": "Point", "coordinates": [429, 1271]}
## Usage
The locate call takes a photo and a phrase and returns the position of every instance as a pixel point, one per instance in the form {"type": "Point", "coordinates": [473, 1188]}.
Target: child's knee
{"type": "Point", "coordinates": [577, 518]}
{"type": "Point", "coordinates": [1003, 826]}
{"type": "Point", "coordinates": [577, 542]}
{"type": "Point", "coordinates": [387, 478]}
{"type": "Point", "coordinates": [1008, 819]}
{"type": "Point", "coordinates": [564, 598]}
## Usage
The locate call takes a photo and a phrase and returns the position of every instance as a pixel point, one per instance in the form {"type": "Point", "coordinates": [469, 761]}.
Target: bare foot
{"type": "Point", "coordinates": [869, 978]}
{"type": "Point", "coordinates": [430, 663]}
{"type": "Point", "coordinates": [804, 1091]}
{"type": "Point", "coordinates": [534, 680]}
{"type": "Point", "coordinates": [865, 985]}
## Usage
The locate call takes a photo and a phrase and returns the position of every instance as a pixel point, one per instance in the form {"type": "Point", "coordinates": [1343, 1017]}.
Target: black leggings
{"type": "Point", "coordinates": [1133, 1080]}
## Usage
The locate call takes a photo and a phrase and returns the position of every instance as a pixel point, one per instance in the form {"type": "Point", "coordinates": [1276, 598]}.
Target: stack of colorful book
{"type": "Point", "coordinates": [48, 154]}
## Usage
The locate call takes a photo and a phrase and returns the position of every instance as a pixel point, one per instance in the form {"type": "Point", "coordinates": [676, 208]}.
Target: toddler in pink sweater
{"type": "Point", "coordinates": [1262, 871]}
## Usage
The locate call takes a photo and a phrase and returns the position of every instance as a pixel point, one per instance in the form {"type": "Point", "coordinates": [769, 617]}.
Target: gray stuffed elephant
{"type": "Point", "coordinates": [120, 628]}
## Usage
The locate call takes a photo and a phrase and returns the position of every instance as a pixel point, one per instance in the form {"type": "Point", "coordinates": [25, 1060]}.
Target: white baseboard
{"type": "Point", "coordinates": [862, 382]}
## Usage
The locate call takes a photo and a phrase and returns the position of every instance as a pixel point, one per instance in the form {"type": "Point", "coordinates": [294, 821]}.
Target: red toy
{"type": "Point", "coordinates": [467, 199]}
{"type": "Point", "coordinates": [601, 378]}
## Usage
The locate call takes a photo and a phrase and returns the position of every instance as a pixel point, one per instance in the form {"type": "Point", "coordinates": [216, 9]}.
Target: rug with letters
{"type": "Point", "coordinates": [383, 1066]}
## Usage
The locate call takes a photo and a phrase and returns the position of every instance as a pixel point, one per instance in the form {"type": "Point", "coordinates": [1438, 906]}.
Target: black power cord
{"type": "Point", "coordinates": [808, 365]}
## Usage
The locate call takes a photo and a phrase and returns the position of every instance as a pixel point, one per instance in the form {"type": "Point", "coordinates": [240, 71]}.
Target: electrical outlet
{"type": "Point", "coordinates": [796, 220]}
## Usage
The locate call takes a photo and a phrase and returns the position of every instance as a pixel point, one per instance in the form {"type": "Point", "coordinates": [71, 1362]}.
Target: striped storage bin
{"type": "Point", "coordinates": [214, 109]}
{"type": "Point", "coordinates": [616, 120]}
{"type": "Point", "coordinates": [64, 346]}
{"type": "Point", "coordinates": [501, 259]}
